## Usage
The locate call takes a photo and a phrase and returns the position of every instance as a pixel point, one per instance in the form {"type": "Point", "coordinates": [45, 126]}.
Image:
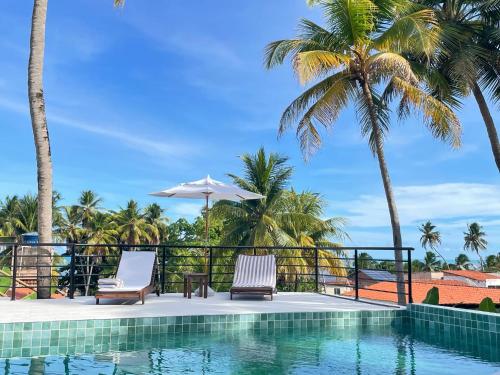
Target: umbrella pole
{"type": "Point", "coordinates": [206, 233]}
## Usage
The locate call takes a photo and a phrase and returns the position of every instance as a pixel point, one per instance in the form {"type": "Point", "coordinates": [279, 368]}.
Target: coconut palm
{"type": "Point", "coordinates": [300, 216]}
{"type": "Point", "coordinates": [132, 226]}
{"type": "Point", "coordinates": [462, 262]}
{"type": "Point", "coordinates": [362, 48]}
{"type": "Point", "coordinates": [467, 60]}
{"type": "Point", "coordinates": [70, 229]}
{"type": "Point", "coordinates": [27, 218]}
{"type": "Point", "coordinates": [430, 262]}
{"type": "Point", "coordinates": [9, 210]}
{"type": "Point", "coordinates": [474, 240]}
{"type": "Point", "coordinates": [254, 222]}
{"type": "Point", "coordinates": [89, 205]}
{"type": "Point", "coordinates": [101, 231]}
{"type": "Point", "coordinates": [154, 215]}
{"type": "Point", "coordinates": [431, 238]}
{"type": "Point", "coordinates": [41, 139]}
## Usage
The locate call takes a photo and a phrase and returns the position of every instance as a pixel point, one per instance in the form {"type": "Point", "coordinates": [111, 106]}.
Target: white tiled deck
{"type": "Point", "coordinates": [173, 305]}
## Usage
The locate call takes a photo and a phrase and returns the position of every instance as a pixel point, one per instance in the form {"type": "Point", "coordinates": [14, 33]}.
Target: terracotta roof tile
{"type": "Point", "coordinates": [449, 294]}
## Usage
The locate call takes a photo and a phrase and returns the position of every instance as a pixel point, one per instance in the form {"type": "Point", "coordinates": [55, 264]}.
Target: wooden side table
{"type": "Point", "coordinates": [202, 279]}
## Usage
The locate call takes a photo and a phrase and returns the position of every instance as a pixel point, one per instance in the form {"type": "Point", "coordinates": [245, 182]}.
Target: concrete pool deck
{"type": "Point", "coordinates": [174, 304]}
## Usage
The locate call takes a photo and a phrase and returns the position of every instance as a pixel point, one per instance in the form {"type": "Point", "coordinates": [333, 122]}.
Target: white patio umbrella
{"type": "Point", "coordinates": [207, 188]}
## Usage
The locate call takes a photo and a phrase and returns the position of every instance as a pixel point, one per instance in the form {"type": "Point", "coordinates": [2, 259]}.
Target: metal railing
{"type": "Point", "coordinates": [75, 268]}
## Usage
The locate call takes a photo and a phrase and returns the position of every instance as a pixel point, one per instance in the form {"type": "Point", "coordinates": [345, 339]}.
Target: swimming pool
{"type": "Point", "coordinates": [350, 350]}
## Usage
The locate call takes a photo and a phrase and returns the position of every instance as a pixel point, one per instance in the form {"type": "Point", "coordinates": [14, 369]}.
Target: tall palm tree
{"type": "Point", "coordinates": [362, 48]}
{"type": "Point", "coordinates": [154, 216]}
{"type": "Point", "coordinates": [474, 240]}
{"type": "Point", "coordinates": [430, 262]}
{"type": "Point", "coordinates": [101, 231]}
{"type": "Point", "coordinates": [467, 60]}
{"type": "Point", "coordinates": [300, 216]}
{"type": "Point", "coordinates": [254, 222]}
{"type": "Point", "coordinates": [41, 138]}
{"type": "Point", "coordinates": [89, 205]}
{"type": "Point", "coordinates": [462, 262]}
{"type": "Point", "coordinates": [431, 238]}
{"type": "Point", "coordinates": [132, 226]}
{"type": "Point", "coordinates": [70, 229]}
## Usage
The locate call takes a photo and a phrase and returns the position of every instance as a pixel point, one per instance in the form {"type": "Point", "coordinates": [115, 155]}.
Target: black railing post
{"type": "Point", "coordinates": [72, 268]}
{"type": "Point", "coordinates": [14, 273]}
{"type": "Point", "coordinates": [356, 276]}
{"type": "Point", "coordinates": [210, 266]}
{"type": "Point", "coordinates": [410, 293]}
{"type": "Point", "coordinates": [163, 266]}
{"type": "Point", "coordinates": [254, 251]}
{"type": "Point", "coordinates": [316, 270]}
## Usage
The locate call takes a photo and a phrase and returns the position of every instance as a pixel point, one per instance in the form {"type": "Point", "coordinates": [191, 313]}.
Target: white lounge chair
{"type": "Point", "coordinates": [136, 273]}
{"type": "Point", "coordinates": [254, 275]}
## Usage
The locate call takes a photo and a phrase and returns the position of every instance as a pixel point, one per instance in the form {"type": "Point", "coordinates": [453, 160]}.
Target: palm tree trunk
{"type": "Point", "coordinates": [391, 202]}
{"type": "Point", "coordinates": [488, 121]}
{"type": "Point", "coordinates": [42, 145]}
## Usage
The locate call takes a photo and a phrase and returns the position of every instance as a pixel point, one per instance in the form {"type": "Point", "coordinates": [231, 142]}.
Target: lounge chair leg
{"type": "Point", "coordinates": [142, 297]}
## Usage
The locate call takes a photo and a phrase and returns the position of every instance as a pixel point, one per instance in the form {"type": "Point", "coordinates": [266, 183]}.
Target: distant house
{"type": "Point", "coordinates": [473, 278]}
{"type": "Point", "coordinates": [370, 277]}
{"type": "Point", "coordinates": [332, 284]}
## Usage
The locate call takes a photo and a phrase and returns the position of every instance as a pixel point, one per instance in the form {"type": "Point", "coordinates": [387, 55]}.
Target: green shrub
{"type": "Point", "coordinates": [487, 305]}
{"type": "Point", "coordinates": [432, 297]}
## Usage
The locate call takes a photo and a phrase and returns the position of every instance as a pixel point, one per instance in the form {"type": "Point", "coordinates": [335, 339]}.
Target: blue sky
{"type": "Point", "coordinates": [157, 93]}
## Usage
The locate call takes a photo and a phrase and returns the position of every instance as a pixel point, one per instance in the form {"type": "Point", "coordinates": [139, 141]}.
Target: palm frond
{"type": "Point", "coordinates": [352, 20]}
{"type": "Point", "coordinates": [313, 64]}
{"type": "Point", "coordinates": [415, 31]}
{"type": "Point", "coordinates": [439, 118]}
{"type": "Point", "coordinates": [389, 64]}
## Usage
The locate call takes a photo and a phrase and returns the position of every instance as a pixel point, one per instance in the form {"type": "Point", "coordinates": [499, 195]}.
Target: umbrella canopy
{"type": "Point", "coordinates": [208, 188]}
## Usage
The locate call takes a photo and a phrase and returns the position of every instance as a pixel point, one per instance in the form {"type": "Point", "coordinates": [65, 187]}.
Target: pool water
{"type": "Point", "coordinates": [326, 351]}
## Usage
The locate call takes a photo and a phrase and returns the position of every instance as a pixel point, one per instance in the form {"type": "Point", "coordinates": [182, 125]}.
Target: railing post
{"type": "Point", "coordinates": [210, 265]}
{"type": "Point", "coordinates": [356, 276]}
{"type": "Point", "coordinates": [72, 272]}
{"type": "Point", "coordinates": [410, 292]}
{"type": "Point", "coordinates": [316, 270]}
{"type": "Point", "coordinates": [14, 273]}
{"type": "Point", "coordinates": [163, 265]}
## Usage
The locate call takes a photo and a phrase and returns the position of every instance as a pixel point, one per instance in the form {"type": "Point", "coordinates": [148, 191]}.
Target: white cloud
{"type": "Point", "coordinates": [456, 202]}
{"type": "Point", "coordinates": [155, 147]}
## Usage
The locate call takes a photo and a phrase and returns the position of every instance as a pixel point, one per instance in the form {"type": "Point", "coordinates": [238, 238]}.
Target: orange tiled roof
{"type": "Point", "coordinates": [449, 294]}
{"type": "Point", "coordinates": [474, 275]}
